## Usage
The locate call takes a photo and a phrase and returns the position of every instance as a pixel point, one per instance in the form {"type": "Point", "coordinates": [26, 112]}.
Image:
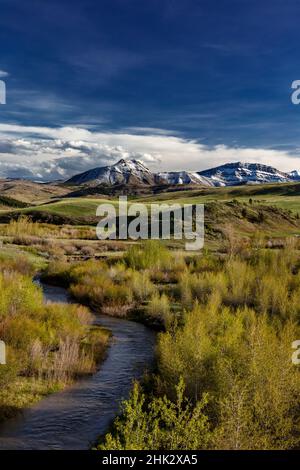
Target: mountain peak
{"type": "Point", "coordinates": [295, 174]}
{"type": "Point", "coordinates": [130, 163]}
{"type": "Point", "coordinates": [231, 174]}
{"type": "Point", "coordinates": [125, 171]}
{"type": "Point", "coordinates": [125, 161]}
{"type": "Point", "coordinates": [134, 172]}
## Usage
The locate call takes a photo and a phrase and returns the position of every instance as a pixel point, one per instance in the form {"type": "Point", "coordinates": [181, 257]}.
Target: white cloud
{"type": "Point", "coordinates": [3, 74]}
{"type": "Point", "coordinates": [51, 153]}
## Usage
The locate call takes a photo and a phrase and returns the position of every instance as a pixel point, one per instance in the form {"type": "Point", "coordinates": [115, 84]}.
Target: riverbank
{"type": "Point", "coordinates": [31, 373]}
{"type": "Point", "coordinates": [140, 286]}
{"type": "Point", "coordinates": [74, 418]}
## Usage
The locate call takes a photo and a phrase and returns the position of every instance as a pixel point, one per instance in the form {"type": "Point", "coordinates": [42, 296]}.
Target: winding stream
{"type": "Point", "coordinates": [72, 419]}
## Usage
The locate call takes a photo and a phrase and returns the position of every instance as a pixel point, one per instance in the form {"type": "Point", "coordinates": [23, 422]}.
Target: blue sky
{"type": "Point", "coordinates": [177, 83]}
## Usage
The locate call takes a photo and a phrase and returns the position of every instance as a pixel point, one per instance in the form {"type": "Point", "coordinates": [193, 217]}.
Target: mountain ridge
{"type": "Point", "coordinates": [135, 172]}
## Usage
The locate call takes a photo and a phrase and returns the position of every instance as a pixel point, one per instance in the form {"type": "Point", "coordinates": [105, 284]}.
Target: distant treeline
{"type": "Point", "coordinates": [11, 202]}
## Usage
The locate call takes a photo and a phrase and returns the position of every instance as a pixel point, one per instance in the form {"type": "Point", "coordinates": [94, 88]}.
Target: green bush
{"type": "Point", "coordinates": [239, 315]}
{"type": "Point", "coordinates": [159, 424]}
{"type": "Point", "coordinates": [45, 342]}
{"type": "Point", "coordinates": [151, 255]}
{"type": "Point", "coordinates": [158, 308]}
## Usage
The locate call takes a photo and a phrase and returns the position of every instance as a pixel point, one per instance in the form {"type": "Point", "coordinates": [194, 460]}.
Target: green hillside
{"type": "Point", "coordinates": [284, 196]}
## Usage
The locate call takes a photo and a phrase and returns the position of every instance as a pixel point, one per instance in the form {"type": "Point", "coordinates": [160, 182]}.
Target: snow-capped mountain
{"type": "Point", "coordinates": [134, 172]}
{"type": "Point", "coordinates": [122, 172]}
{"type": "Point", "coordinates": [295, 175]}
{"type": "Point", "coordinates": [184, 177]}
{"type": "Point", "coordinates": [232, 174]}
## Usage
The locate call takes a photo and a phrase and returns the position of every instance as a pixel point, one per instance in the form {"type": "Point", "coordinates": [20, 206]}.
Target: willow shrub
{"type": "Point", "coordinates": [150, 255]}
{"type": "Point", "coordinates": [244, 362]}
{"type": "Point", "coordinates": [141, 285]}
{"type": "Point", "coordinates": [159, 424]}
{"type": "Point", "coordinates": [158, 309]}
{"type": "Point", "coordinates": [37, 334]}
{"type": "Point", "coordinates": [270, 284]}
{"type": "Point", "coordinates": [113, 289]}
{"type": "Point", "coordinates": [18, 295]}
{"type": "Point", "coordinates": [25, 227]}
{"type": "Point", "coordinates": [239, 317]}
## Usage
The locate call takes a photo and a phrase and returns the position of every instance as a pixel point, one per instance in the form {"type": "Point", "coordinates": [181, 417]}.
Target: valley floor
{"type": "Point", "coordinates": [226, 319]}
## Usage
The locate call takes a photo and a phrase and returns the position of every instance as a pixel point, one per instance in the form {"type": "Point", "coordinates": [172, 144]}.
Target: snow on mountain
{"type": "Point", "coordinates": [295, 175]}
{"type": "Point", "coordinates": [232, 174]}
{"type": "Point", "coordinates": [124, 171]}
{"type": "Point", "coordinates": [184, 177]}
{"type": "Point", "coordinates": [134, 172]}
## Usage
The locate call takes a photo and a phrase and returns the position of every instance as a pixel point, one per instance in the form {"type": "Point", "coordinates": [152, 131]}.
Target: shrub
{"type": "Point", "coordinates": [24, 227]}
{"type": "Point", "coordinates": [141, 286]}
{"type": "Point", "coordinates": [151, 255]}
{"type": "Point", "coordinates": [158, 308]}
{"type": "Point", "coordinates": [49, 342]}
{"type": "Point", "coordinates": [159, 424]}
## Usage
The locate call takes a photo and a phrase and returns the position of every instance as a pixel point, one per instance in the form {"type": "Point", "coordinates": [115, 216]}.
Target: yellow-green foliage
{"type": "Point", "coordinates": [18, 295]}
{"type": "Point", "coordinates": [16, 262]}
{"type": "Point", "coordinates": [269, 283]}
{"type": "Point", "coordinates": [48, 342]}
{"type": "Point", "coordinates": [113, 289]}
{"type": "Point", "coordinates": [158, 308]}
{"type": "Point", "coordinates": [102, 287]}
{"type": "Point", "coordinates": [151, 255]}
{"type": "Point", "coordinates": [23, 227]}
{"type": "Point", "coordinates": [239, 317]}
{"type": "Point", "coordinates": [118, 288]}
{"type": "Point", "coordinates": [141, 285]}
{"type": "Point", "coordinates": [237, 356]}
{"type": "Point", "coordinates": [236, 345]}
{"type": "Point", "coordinates": [24, 318]}
{"type": "Point", "coordinates": [159, 424]}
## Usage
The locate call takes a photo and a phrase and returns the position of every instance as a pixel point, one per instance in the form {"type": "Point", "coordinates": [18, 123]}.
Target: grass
{"type": "Point", "coordinates": [223, 220]}
{"type": "Point", "coordinates": [283, 195]}
{"type": "Point", "coordinates": [72, 207]}
{"type": "Point", "coordinates": [16, 254]}
{"type": "Point", "coordinates": [244, 218]}
{"type": "Point", "coordinates": [24, 392]}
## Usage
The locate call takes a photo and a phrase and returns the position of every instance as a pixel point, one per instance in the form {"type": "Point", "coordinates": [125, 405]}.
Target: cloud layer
{"type": "Point", "coordinates": [44, 153]}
